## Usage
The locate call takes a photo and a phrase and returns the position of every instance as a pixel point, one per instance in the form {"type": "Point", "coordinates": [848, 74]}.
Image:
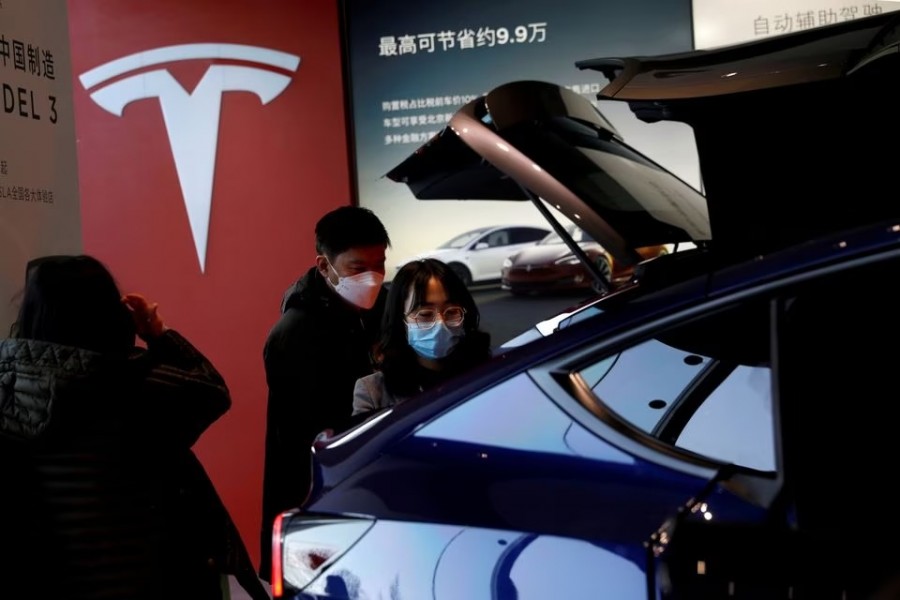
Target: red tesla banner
{"type": "Point", "coordinates": [211, 137]}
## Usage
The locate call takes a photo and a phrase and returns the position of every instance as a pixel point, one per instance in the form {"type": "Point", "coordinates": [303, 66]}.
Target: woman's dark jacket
{"type": "Point", "coordinates": [102, 496]}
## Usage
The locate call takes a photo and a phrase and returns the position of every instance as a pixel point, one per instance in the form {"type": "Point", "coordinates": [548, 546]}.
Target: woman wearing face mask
{"type": "Point", "coordinates": [429, 334]}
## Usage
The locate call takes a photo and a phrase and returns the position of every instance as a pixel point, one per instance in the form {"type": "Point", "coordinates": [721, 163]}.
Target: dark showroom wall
{"type": "Point", "coordinates": [210, 139]}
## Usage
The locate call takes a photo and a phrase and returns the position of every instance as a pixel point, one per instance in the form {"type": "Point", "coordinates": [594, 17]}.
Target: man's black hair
{"type": "Point", "coordinates": [349, 227]}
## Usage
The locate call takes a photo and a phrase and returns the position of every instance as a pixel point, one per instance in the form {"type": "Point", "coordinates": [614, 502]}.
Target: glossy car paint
{"type": "Point", "coordinates": [455, 484]}
{"type": "Point", "coordinates": [520, 450]}
{"type": "Point", "coordinates": [451, 562]}
{"type": "Point", "coordinates": [548, 482]}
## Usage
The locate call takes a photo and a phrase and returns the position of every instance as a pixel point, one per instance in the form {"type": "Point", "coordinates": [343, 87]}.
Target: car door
{"type": "Point", "coordinates": [835, 426]}
{"type": "Point", "coordinates": [487, 253]}
{"type": "Point", "coordinates": [584, 491]}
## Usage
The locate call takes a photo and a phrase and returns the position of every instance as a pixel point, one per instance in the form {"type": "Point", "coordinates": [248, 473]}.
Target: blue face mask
{"type": "Point", "coordinates": [434, 343]}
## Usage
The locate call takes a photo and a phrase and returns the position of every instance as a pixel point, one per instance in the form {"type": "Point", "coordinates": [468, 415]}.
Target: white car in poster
{"type": "Point", "coordinates": [477, 255]}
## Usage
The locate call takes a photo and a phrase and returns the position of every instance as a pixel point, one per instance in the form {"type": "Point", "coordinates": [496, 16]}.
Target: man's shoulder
{"type": "Point", "coordinates": [303, 302]}
{"type": "Point", "coordinates": [296, 322]}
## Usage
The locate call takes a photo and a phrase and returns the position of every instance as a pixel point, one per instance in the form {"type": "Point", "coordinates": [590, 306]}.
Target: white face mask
{"type": "Point", "coordinates": [360, 290]}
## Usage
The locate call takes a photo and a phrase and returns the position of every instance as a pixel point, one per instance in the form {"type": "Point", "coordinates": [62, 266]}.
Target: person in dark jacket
{"type": "Point", "coordinates": [102, 496]}
{"type": "Point", "coordinates": [430, 334]}
{"type": "Point", "coordinates": [314, 354]}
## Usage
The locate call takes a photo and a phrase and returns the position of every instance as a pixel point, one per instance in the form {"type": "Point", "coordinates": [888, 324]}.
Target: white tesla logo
{"type": "Point", "coordinates": [192, 119]}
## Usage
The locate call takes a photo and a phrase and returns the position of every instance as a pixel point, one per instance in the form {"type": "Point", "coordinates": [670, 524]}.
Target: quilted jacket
{"type": "Point", "coordinates": [98, 477]}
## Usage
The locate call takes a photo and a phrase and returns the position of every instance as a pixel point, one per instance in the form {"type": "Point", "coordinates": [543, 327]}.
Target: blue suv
{"type": "Point", "coordinates": [724, 425]}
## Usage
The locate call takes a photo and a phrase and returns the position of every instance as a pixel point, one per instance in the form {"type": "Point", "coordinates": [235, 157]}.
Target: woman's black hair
{"type": "Point", "coordinates": [399, 362]}
{"type": "Point", "coordinates": [74, 301]}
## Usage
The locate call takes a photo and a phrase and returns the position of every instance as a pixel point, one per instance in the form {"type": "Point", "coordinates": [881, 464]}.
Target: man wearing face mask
{"type": "Point", "coordinates": [316, 351]}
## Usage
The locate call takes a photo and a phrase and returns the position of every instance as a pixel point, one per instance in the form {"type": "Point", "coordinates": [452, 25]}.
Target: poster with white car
{"type": "Point", "coordinates": [478, 255]}
{"type": "Point", "coordinates": [411, 66]}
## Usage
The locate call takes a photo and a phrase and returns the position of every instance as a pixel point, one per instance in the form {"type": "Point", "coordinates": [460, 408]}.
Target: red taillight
{"type": "Point", "coordinates": [316, 558]}
{"type": "Point", "coordinates": [277, 564]}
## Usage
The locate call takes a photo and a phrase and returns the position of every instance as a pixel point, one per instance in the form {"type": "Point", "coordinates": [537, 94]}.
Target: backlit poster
{"type": "Point", "coordinates": [748, 20]}
{"type": "Point", "coordinates": [412, 65]}
{"type": "Point", "coordinates": [39, 211]}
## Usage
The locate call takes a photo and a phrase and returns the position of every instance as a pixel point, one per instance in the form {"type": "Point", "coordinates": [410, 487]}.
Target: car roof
{"type": "Point", "coordinates": [496, 227]}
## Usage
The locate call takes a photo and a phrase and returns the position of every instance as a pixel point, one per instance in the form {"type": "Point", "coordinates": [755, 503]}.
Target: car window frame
{"type": "Point", "coordinates": [565, 386]}
{"type": "Point", "coordinates": [529, 235]}
{"type": "Point", "coordinates": [476, 235]}
{"type": "Point", "coordinates": [555, 376]}
{"type": "Point", "coordinates": [555, 379]}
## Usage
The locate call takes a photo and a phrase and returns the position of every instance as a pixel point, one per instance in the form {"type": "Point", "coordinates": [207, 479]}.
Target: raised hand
{"type": "Point", "coordinates": [147, 321]}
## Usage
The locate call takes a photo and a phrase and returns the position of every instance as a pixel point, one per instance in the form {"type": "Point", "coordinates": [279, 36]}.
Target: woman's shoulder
{"type": "Point", "coordinates": [369, 393]}
{"type": "Point", "coordinates": [372, 381]}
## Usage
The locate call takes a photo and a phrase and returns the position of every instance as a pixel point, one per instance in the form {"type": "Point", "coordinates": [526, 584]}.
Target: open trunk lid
{"type": "Point", "coordinates": [529, 139]}
{"type": "Point", "coordinates": [793, 132]}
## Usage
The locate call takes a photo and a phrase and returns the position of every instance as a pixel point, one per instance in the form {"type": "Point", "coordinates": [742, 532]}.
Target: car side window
{"type": "Point", "coordinates": [704, 387]}
{"type": "Point", "coordinates": [497, 238]}
{"type": "Point", "coordinates": [525, 235]}
{"type": "Point", "coordinates": [735, 423]}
